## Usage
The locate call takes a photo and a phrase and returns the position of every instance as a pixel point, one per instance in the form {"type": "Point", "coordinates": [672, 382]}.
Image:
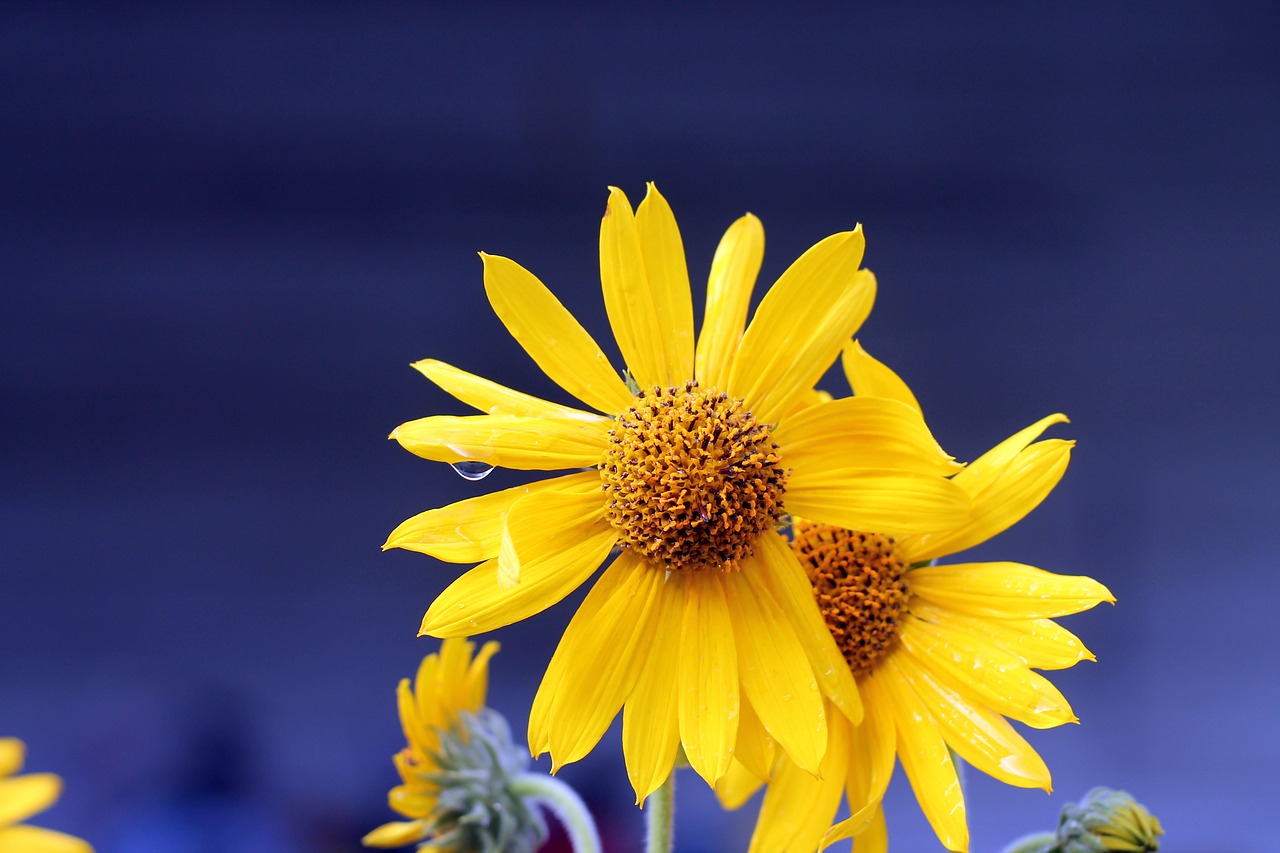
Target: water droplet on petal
{"type": "Point", "coordinates": [472, 470]}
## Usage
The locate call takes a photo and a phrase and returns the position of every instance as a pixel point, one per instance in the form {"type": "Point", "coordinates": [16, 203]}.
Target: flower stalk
{"type": "Point", "coordinates": [660, 818]}
{"type": "Point", "coordinates": [563, 802]}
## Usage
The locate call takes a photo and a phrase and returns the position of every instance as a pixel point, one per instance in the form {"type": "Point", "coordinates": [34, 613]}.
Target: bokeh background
{"type": "Point", "coordinates": [226, 230]}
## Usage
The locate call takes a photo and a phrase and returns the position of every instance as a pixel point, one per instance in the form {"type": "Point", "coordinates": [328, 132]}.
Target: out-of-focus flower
{"type": "Point", "coordinates": [1106, 821]}
{"type": "Point", "coordinates": [459, 766]}
{"type": "Point", "coordinates": [24, 796]}
{"type": "Point", "coordinates": [941, 654]}
{"type": "Point", "coordinates": [705, 623]}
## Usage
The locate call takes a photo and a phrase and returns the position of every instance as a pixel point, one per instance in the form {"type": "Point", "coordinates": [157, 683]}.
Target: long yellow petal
{"type": "Point", "coordinates": [531, 520]}
{"type": "Point", "coordinates": [738, 785]}
{"type": "Point", "coordinates": [668, 273]}
{"type": "Point", "coordinates": [927, 763]}
{"type": "Point", "coordinates": [990, 466]}
{"type": "Point", "coordinates": [1007, 590]}
{"type": "Point", "coordinates": [477, 685]}
{"type": "Point", "coordinates": [551, 568]}
{"type": "Point", "coordinates": [506, 441]}
{"type": "Point", "coordinates": [396, 834]}
{"type": "Point", "coordinates": [733, 275]}
{"type": "Point", "coordinates": [861, 432]}
{"type": "Point", "coordinates": [12, 753]}
{"type": "Point", "coordinates": [23, 796]}
{"type": "Point", "coordinates": [756, 751]}
{"type": "Point", "coordinates": [801, 324]}
{"type": "Point", "coordinates": [34, 839]}
{"type": "Point", "coordinates": [985, 675]}
{"type": "Point", "coordinates": [871, 378]}
{"type": "Point", "coordinates": [871, 748]}
{"type": "Point", "coordinates": [875, 839]}
{"type": "Point", "coordinates": [1024, 483]}
{"type": "Point", "coordinates": [776, 676]}
{"type": "Point", "coordinates": [471, 530]}
{"type": "Point", "coordinates": [490, 397]}
{"type": "Point", "coordinates": [887, 501]}
{"type": "Point", "coordinates": [1041, 643]}
{"type": "Point", "coordinates": [799, 807]}
{"type": "Point", "coordinates": [651, 718]}
{"type": "Point", "coordinates": [606, 642]}
{"type": "Point", "coordinates": [776, 573]}
{"type": "Point", "coordinates": [552, 337]}
{"type": "Point", "coordinates": [708, 678]}
{"type": "Point", "coordinates": [982, 738]}
{"type": "Point", "coordinates": [648, 317]}
{"type": "Point", "coordinates": [867, 824]}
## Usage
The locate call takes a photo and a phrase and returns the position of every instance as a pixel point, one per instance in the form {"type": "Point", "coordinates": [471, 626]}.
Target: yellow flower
{"type": "Point", "coordinates": [941, 654]}
{"type": "Point", "coordinates": [23, 796]}
{"type": "Point", "coordinates": [459, 763]}
{"type": "Point", "coordinates": [704, 623]}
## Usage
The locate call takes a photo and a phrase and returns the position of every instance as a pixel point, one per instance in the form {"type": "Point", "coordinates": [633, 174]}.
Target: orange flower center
{"type": "Point", "coordinates": [691, 478]}
{"type": "Point", "coordinates": [858, 581]}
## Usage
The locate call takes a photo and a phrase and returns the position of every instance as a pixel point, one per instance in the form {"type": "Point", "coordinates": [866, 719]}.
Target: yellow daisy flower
{"type": "Point", "coordinates": [942, 653]}
{"type": "Point", "coordinates": [23, 796]}
{"type": "Point", "coordinates": [441, 716]}
{"type": "Point", "coordinates": [704, 624]}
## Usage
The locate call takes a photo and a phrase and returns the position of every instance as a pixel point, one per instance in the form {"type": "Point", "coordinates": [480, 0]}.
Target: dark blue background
{"type": "Point", "coordinates": [227, 229]}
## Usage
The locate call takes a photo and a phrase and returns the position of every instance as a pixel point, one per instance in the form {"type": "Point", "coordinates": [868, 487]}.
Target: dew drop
{"type": "Point", "coordinates": [472, 470]}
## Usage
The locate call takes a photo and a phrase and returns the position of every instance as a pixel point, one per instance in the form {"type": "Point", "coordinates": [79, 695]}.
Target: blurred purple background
{"type": "Point", "coordinates": [227, 229]}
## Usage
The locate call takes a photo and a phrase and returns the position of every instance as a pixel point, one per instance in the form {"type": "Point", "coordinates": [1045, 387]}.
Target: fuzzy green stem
{"type": "Point", "coordinates": [563, 802]}
{"type": "Point", "coordinates": [660, 817]}
{"type": "Point", "coordinates": [1037, 842]}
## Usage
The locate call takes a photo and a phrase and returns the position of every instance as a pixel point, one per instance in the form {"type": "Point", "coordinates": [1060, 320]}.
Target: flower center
{"type": "Point", "coordinates": [857, 580]}
{"type": "Point", "coordinates": [692, 479]}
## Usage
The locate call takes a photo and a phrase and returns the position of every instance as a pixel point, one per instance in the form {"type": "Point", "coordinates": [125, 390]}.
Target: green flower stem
{"type": "Point", "coordinates": [659, 815]}
{"type": "Point", "coordinates": [565, 804]}
{"type": "Point", "coordinates": [1037, 842]}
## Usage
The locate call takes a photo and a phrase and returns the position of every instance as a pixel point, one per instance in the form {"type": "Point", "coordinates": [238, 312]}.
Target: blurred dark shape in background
{"type": "Point", "coordinates": [227, 229]}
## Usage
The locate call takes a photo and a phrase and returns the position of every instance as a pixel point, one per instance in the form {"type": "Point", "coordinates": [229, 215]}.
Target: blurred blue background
{"type": "Point", "coordinates": [227, 229]}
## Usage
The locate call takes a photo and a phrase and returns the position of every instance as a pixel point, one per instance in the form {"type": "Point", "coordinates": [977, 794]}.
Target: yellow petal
{"type": "Point", "coordinates": [651, 318]}
{"type": "Point", "coordinates": [927, 763]}
{"type": "Point", "coordinates": [396, 834]}
{"type": "Point", "coordinates": [867, 824]}
{"type": "Point", "coordinates": [604, 645]}
{"type": "Point", "coordinates": [451, 675]}
{"type": "Point", "coordinates": [776, 676]}
{"type": "Point", "coordinates": [733, 275]}
{"type": "Point", "coordinates": [887, 501]}
{"type": "Point", "coordinates": [668, 273]}
{"type": "Point", "coordinates": [651, 719]}
{"type": "Point", "coordinates": [490, 397]}
{"type": "Point", "coordinates": [1019, 489]}
{"type": "Point", "coordinates": [506, 441]}
{"type": "Point", "coordinates": [411, 801]}
{"type": "Point", "coordinates": [708, 677]}
{"type": "Point", "coordinates": [871, 378]}
{"type": "Point", "coordinates": [33, 839]}
{"type": "Point", "coordinates": [801, 324]}
{"type": "Point", "coordinates": [552, 337]}
{"type": "Point", "coordinates": [553, 564]}
{"type": "Point", "coordinates": [875, 838]}
{"type": "Point", "coordinates": [478, 677]}
{"type": "Point", "coordinates": [871, 748]}
{"type": "Point", "coordinates": [988, 467]}
{"type": "Point", "coordinates": [861, 432]}
{"type": "Point", "coordinates": [1006, 590]}
{"type": "Point", "coordinates": [737, 786]}
{"type": "Point", "coordinates": [982, 738]}
{"type": "Point", "coordinates": [418, 727]}
{"type": "Point", "coordinates": [23, 796]}
{"type": "Point", "coordinates": [756, 751]}
{"type": "Point", "coordinates": [12, 753]}
{"type": "Point", "coordinates": [798, 807]}
{"type": "Point", "coordinates": [1041, 643]}
{"type": "Point", "coordinates": [776, 573]}
{"type": "Point", "coordinates": [471, 530]}
{"type": "Point", "coordinates": [985, 675]}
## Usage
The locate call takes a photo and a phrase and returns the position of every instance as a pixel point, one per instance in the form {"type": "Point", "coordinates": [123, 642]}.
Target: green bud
{"type": "Point", "coordinates": [477, 811]}
{"type": "Point", "coordinates": [1106, 821]}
